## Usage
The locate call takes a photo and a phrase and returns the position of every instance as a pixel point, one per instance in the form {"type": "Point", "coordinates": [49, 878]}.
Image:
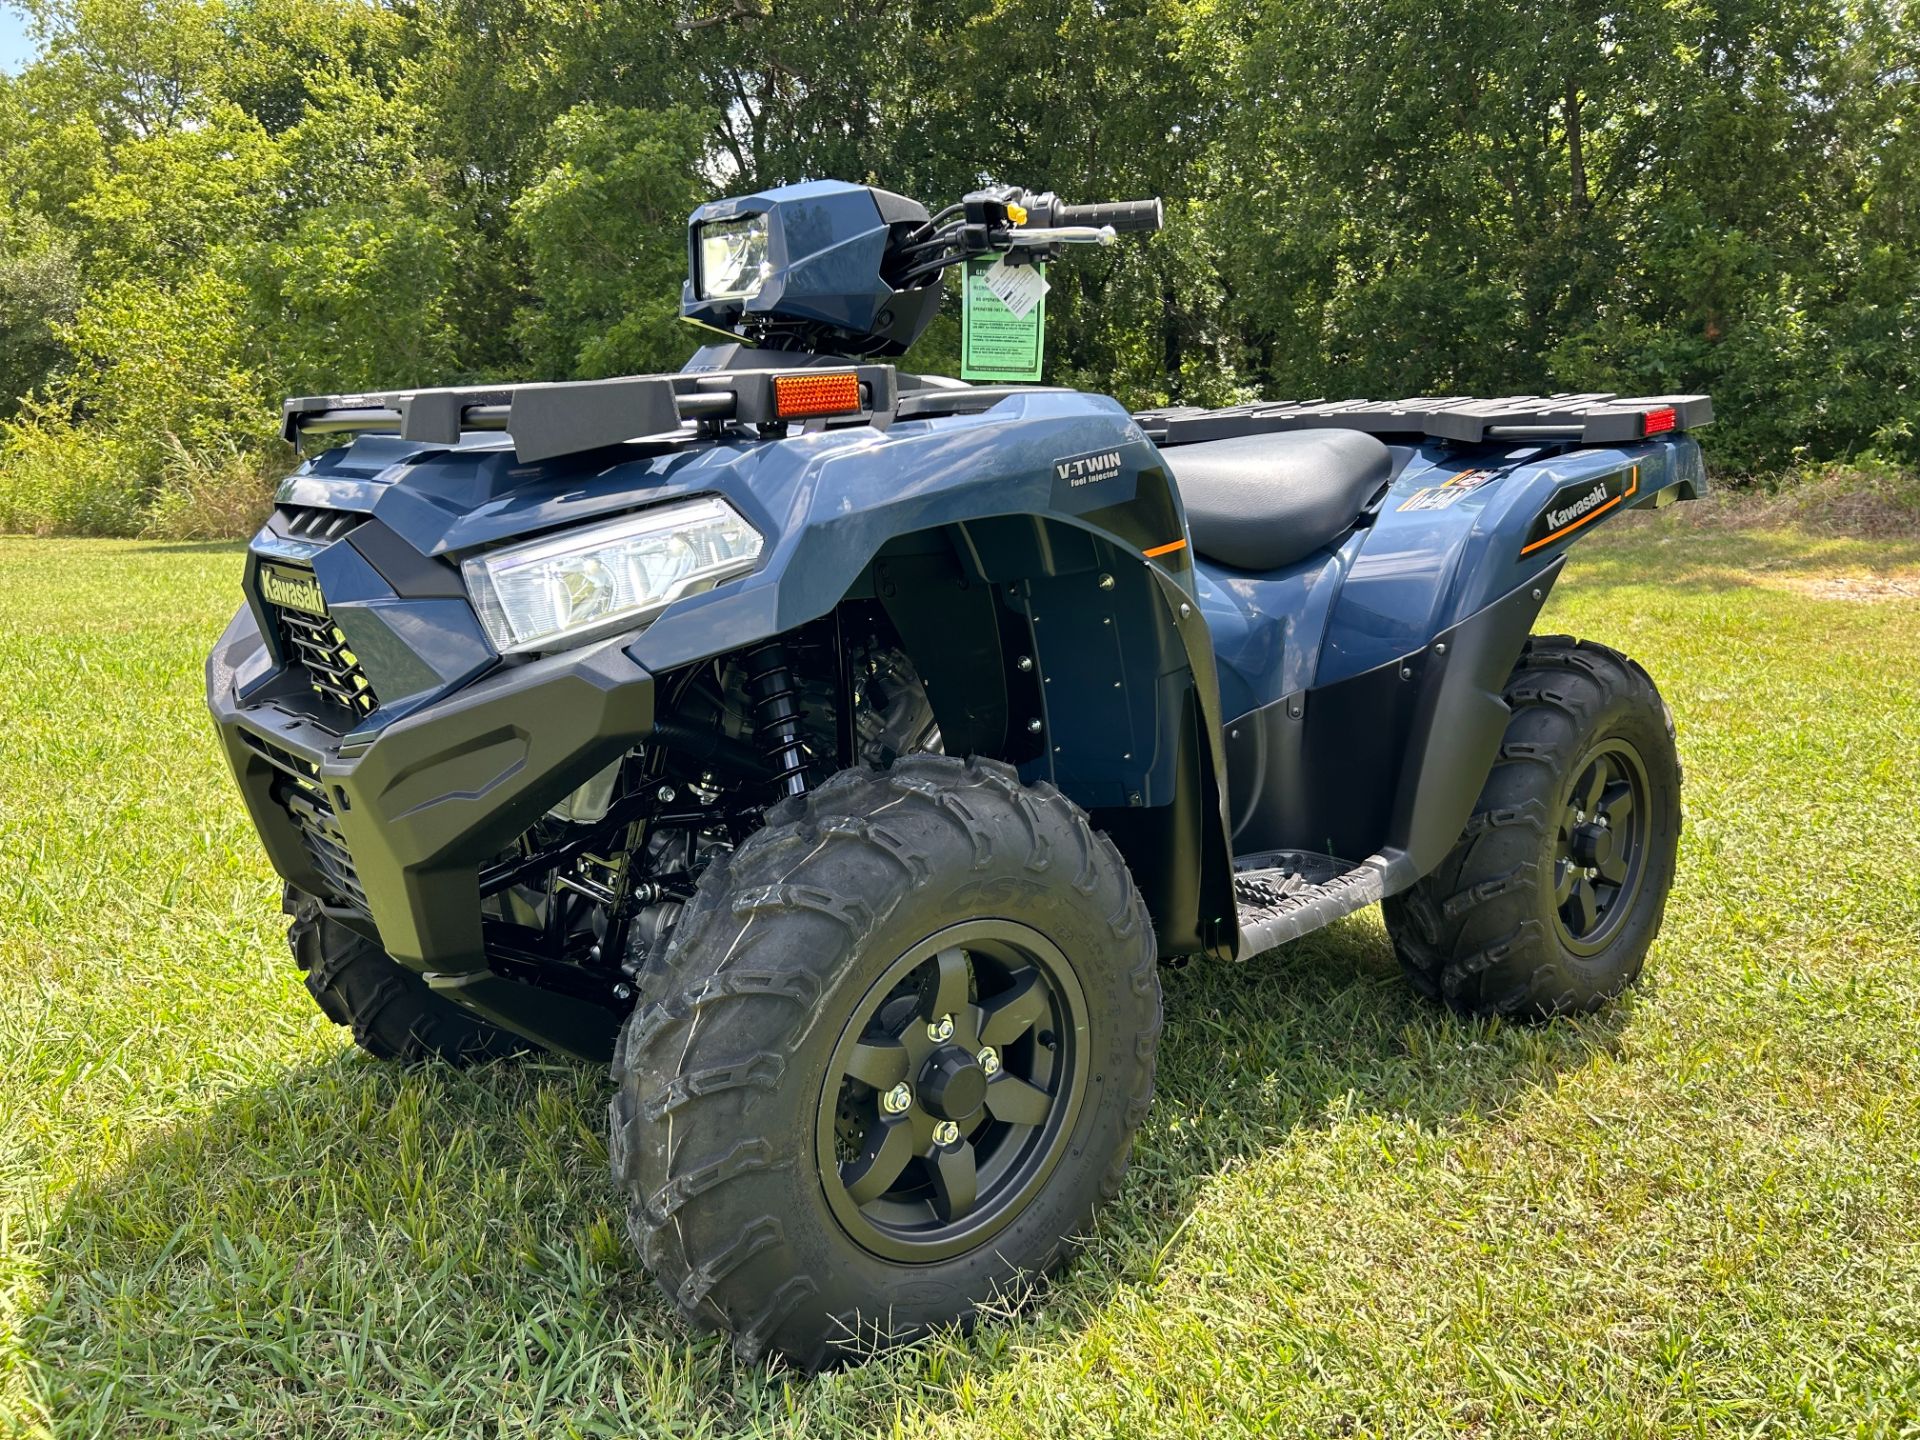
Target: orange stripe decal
{"type": "Point", "coordinates": [1633, 488]}
{"type": "Point", "coordinates": [1166, 549]}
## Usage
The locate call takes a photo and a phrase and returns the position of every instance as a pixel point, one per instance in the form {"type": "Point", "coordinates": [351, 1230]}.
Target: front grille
{"type": "Point", "coordinates": [332, 669]}
{"type": "Point", "coordinates": [299, 791]}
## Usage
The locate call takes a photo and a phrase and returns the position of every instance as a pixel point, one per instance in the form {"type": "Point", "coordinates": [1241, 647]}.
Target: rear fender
{"type": "Point", "coordinates": [1381, 748]}
{"type": "Point", "coordinates": [1466, 526]}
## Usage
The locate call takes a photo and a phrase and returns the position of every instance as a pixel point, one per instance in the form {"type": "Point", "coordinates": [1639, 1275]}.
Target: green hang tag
{"type": "Point", "coordinates": [1003, 321]}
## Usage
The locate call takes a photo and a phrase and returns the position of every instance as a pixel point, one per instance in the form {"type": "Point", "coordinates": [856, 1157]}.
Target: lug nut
{"type": "Point", "coordinates": [1593, 872]}
{"type": "Point", "coordinates": [1024, 664]}
{"type": "Point", "coordinates": [946, 1133]}
{"type": "Point", "coordinates": [665, 794]}
{"type": "Point", "coordinates": [941, 1029]}
{"type": "Point", "coordinates": [1106, 582]}
{"type": "Point", "coordinates": [1579, 817]}
{"type": "Point", "coordinates": [1601, 821]}
{"type": "Point", "coordinates": [1034, 726]}
{"type": "Point", "coordinates": [896, 1100]}
{"type": "Point", "coordinates": [989, 1059]}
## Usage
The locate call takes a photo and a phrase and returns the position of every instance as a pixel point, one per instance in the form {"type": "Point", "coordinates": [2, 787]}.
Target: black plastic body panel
{"type": "Point", "coordinates": [1390, 761]}
{"type": "Point", "coordinates": [427, 801]}
{"type": "Point", "coordinates": [1086, 665]}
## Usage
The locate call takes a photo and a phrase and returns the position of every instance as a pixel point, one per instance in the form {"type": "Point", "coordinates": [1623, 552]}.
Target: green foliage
{"type": "Point", "coordinates": [39, 290]}
{"type": "Point", "coordinates": [604, 231]}
{"type": "Point", "coordinates": [167, 200]}
{"type": "Point", "coordinates": [207, 204]}
{"type": "Point", "coordinates": [155, 360]}
{"type": "Point", "coordinates": [1667, 197]}
{"type": "Point", "coordinates": [54, 477]}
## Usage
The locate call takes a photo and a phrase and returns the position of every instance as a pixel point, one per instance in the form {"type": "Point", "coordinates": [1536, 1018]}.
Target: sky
{"type": "Point", "coordinates": [15, 48]}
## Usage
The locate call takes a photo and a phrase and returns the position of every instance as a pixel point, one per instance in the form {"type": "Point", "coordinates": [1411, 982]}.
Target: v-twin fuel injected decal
{"type": "Point", "coordinates": [1089, 469]}
{"type": "Point", "coordinates": [1573, 506]}
{"type": "Point", "coordinates": [291, 590]}
{"type": "Point", "coordinates": [1093, 480]}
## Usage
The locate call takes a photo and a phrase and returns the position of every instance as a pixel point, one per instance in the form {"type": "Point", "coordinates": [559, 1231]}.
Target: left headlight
{"type": "Point", "coordinates": [601, 578]}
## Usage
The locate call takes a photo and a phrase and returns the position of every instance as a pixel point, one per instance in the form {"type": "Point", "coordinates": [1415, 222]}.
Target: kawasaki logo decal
{"type": "Point", "coordinates": [1594, 497]}
{"type": "Point", "coordinates": [1579, 505]}
{"type": "Point", "coordinates": [291, 590]}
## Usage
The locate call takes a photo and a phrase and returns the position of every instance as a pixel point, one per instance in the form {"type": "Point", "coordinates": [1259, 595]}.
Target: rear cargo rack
{"type": "Point", "coordinates": [1594, 419]}
{"type": "Point", "coordinates": [568, 417]}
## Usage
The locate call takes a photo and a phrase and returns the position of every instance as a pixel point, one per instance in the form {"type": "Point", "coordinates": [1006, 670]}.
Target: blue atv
{"type": "Point", "coordinates": [836, 750]}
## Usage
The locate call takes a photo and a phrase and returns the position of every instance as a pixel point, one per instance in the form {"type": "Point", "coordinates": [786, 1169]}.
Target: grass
{"type": "Point", "coordinates": [1348, 1214]}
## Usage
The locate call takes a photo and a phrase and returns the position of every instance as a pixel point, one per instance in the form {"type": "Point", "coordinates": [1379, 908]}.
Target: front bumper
{"type": "Point", "coordinates": [400, 823]}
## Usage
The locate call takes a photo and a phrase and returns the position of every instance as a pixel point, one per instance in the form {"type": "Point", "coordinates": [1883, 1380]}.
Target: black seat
{"type": "Point", "coordinates": [1258, 502]}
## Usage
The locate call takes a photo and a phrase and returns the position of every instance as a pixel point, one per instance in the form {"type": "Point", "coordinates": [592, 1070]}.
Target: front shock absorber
{"type": "Point", "coordinates": [776, 717]}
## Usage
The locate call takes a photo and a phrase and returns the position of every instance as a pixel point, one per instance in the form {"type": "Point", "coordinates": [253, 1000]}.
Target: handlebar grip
{"type": "Point", "coordinates": [1122, 215]}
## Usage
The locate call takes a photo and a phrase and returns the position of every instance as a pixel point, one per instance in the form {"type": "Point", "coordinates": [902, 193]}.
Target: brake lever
{"type": "Point", "coordinates": [1062, 235]}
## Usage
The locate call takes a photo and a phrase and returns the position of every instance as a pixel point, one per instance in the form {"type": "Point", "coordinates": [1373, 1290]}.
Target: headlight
{"type": "Point", "coordinates": [603, 578]}
{"type": "Point", "coordinates": [733, 258]}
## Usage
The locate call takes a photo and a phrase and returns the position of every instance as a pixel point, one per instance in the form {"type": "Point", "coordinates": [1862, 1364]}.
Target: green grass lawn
{"type": "Point", "coordinates": [1348, 1214]}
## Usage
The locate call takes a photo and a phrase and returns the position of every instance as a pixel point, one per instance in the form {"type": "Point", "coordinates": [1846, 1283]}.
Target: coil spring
{"type": "Point", "coordinates": [777, 715]}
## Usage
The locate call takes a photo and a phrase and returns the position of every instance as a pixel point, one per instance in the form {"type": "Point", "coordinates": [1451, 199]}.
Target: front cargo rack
{"type": "Point", "coordinates": [569, 417]}
{"type": "Point", "coordinates": [1591, 419]}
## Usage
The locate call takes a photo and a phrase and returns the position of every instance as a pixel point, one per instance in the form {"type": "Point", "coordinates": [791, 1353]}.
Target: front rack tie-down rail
{"type": "Point", "coordinates": [570, 417]}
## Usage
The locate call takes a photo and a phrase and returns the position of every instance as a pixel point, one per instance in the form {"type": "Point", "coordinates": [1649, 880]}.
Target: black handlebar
{"type": "Point", "coordinates": [986, 224]}
{"type": "Point", "coordinates": [1122, 215]}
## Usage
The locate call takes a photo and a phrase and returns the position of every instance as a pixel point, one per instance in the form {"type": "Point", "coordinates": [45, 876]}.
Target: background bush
{"type": "Point", "coordinates": [207, 204]}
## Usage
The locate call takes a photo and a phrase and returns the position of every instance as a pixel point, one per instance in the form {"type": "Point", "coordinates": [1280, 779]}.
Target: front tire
{"type": "Point", "coordinates": [905, 1040]}
{"type": "Point", "coordinates": [390, 1010]}
{"type": "Point", "coordinates": [1551, 898]}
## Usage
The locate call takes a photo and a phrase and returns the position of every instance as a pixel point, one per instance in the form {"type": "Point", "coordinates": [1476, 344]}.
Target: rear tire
{"type": "Point", "coordinates": [813, 1166]}
{"type": "Point", "coordinates": [390, 1009]}
{"type": "Point", "coordinates": [1551, 898]}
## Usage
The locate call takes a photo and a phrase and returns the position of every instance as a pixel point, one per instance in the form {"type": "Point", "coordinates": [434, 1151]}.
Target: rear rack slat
{"type": "Point", "coordinates": [1588, 419]}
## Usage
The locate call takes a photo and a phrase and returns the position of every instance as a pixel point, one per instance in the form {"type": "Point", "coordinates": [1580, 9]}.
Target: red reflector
{"type": "Point", "coordinates": [795, 397]}
{"type": "Point", "coordinates": [1658, 422]}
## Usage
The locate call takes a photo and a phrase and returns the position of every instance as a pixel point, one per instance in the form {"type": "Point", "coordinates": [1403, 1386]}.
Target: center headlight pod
{"type": "Point", "coordinates": [733, 258]}
{"type": "Point", "coordinates": [598, 579]}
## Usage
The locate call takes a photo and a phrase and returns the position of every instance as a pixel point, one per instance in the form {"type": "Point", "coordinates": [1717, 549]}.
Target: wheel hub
{"type": "Point", "coordinates": [952, 1084]}
{"type": "Point", "coordinates": [1593, 845]}
{"type": "Point", "coordinates": [1599, 855]}
{"type": "Point", "coordinates": [952, 1093]}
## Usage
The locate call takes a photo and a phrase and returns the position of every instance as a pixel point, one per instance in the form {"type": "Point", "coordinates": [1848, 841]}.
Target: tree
{"type": "Point", "coordinates": [605, 233]}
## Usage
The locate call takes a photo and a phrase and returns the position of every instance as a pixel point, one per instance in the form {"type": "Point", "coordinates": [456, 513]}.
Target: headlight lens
{"type": "Point", "coordinates": [733, 258]}
{"type": "Point", "coordinates": [559, 591]}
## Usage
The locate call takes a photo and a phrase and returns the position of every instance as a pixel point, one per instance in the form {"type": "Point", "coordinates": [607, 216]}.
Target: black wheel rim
{"type": "Point", "coordinates": [930, 1141]}
{"type": "Point", "coordinates": [1601, 847]}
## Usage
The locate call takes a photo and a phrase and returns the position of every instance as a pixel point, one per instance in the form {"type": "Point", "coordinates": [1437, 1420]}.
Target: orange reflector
{"type": "Point", "coordinates": [796, 397]}
{"type": "Point", "coordinates": [1658, 422]}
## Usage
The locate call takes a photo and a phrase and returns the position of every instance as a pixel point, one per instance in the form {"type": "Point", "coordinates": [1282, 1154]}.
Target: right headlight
{"type": "Point", "coordinates": [601, 578]}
